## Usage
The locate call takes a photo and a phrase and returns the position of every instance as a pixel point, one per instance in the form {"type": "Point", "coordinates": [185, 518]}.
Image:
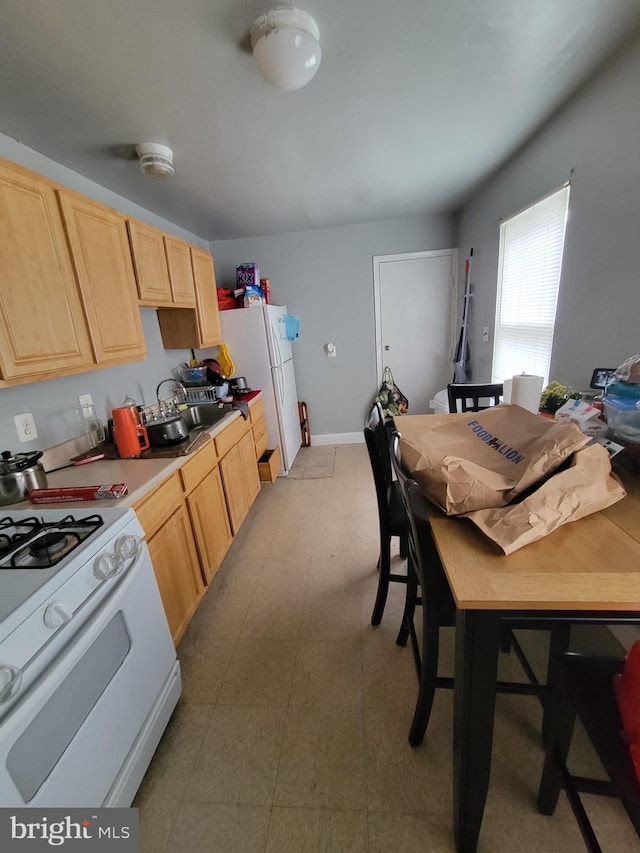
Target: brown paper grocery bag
{"type": "Point", "coordinates": [480, 460]}
{"type": "Point", "coordinates": [585, 487]}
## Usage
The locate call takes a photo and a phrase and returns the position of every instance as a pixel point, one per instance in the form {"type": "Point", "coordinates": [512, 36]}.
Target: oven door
{"type": "Point", "coordinates": [66, 739]}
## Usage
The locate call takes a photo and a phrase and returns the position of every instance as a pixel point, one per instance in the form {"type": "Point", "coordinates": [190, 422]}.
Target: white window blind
{"type": "Point", "coordinates": [529, 265]}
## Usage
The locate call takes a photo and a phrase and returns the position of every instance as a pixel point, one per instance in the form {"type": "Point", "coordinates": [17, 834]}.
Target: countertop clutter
{"type": "Point", "coordinates": [140, 475]}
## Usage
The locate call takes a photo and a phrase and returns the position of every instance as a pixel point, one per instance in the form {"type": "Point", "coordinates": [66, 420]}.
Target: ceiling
{"type": "Point", "coordinates": [415, 103]}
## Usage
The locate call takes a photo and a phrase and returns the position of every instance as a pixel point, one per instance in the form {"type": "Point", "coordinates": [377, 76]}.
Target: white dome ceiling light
{"type": "Point", "coordinates": [155, 159]}
{"type": "Point", "coordinates": [286, 47]}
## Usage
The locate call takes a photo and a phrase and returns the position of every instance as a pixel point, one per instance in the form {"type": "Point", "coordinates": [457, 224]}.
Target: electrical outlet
{"type": "Point", "coordinates": [85, 400]}
{"type": "Point", "coordinates": [485, 334]}
{"type": "Point", "coordinates": [25, 427]}
{"type": "Point", "coordinates": [331, 350]}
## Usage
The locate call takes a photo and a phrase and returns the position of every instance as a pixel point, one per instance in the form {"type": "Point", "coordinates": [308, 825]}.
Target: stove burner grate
{"type": "Point", "coordinates": [6, 545]}
{"type": "Point", "coordinates": [32, 543]}
{"type": "Point", "coordinates": [48, 543]}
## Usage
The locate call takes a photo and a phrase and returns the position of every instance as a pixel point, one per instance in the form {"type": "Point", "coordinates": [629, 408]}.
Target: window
{"type": "Point", "coordinates": [529, 265]}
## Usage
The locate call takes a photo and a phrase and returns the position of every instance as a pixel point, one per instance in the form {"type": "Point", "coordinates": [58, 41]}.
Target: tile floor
{"type": "Point", "coordinates": [291, 732]}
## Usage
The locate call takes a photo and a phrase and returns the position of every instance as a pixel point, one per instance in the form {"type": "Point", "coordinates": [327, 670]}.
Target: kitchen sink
{"type": "Point", "coordinates": [197, 419]}
{"type": "Point", "coordinates": [204, 415]}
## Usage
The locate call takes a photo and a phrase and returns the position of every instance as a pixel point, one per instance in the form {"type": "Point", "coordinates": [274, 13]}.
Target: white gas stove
{"type": "Point", "coordinates": [88, 671]}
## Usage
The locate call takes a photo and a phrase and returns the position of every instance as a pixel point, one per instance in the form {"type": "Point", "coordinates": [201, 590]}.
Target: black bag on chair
{"type": "Point", "coordinates": [390, 397]}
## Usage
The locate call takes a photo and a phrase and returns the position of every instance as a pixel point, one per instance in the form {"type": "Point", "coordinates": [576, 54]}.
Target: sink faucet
{"type": "Point", "coordinates": [161, 383]}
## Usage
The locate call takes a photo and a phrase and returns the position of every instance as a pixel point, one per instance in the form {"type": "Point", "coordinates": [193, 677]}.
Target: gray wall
{"type": "Point", "coordinates": [326, 276]}
{"type": "Point", "coordinates": [52, 402]}
{"type": "Point", "coordinates": [597, 134]}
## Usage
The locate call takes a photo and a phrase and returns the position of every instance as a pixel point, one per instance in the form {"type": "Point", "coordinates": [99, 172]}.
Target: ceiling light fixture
{"type": "Point", "coordinates": [155, 159]}
{"type": "Point", "coordinates": [286, 47]}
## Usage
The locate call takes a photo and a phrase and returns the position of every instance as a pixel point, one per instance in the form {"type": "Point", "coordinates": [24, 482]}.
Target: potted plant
{"type": "Point", "coordinates": [554, 396]}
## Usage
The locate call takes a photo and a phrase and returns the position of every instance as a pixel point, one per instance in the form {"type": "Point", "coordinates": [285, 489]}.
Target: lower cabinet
{"type": "Point", "coordinates": [240, 478]}
{"type": "Point", "coordinates": [191, 517]}
{"type": "Point", "coordinates": [210, 523]}
{"type": "Point", "coordinates": [165, 521]}
{"type": "Point", "coordinates": [250, 476]}
{"type": "Point", "coordinates": [175, 561]}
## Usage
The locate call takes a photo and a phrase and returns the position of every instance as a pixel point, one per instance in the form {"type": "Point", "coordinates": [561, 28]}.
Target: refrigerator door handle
{"type": "Point", "coordinates": [276, 345]}
{"type": "Point", "coordinates": [280, 382]}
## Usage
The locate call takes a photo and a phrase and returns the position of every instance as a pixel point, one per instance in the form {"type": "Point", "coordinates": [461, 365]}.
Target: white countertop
{"type": "Point", "coordinates": [140, 475]}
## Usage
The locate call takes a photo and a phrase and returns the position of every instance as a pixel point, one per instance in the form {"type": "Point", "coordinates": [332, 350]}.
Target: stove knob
{"type": "Point", "coordinates": [55, 615]}
{"type": "Point", "coordinates": [107, 566]}
{"type": "Point", "coordinates": [10, 681]}
{"type": "Point", "coordinates": [128, 547]}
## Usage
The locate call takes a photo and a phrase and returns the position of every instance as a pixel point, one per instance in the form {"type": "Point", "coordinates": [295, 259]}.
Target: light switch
{"type": "Point", "coordinates": [331, 350]}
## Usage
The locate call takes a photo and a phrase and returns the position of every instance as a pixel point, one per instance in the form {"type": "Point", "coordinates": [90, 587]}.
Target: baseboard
{"type": "Point", "coordinates": [338, 438]}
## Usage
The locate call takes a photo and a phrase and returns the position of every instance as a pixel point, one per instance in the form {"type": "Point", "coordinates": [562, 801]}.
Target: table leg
{"type": "Point", "coordinates": [476, 665]}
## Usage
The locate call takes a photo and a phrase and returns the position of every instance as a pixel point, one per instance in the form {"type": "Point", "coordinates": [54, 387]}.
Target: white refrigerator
{"type": "Point", "coordinates": [258, 345]}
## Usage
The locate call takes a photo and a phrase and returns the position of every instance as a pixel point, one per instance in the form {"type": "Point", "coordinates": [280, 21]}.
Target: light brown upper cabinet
{"type": "Point", "coordinates": [43, 331]}
{"type": "Point", "coordinates": [180, 272]}
{"type": "Point", "coordinates": [101, 256]}
{"type": "Point", "coordinates": [183, 329]}
{"type": "Point", "coordinates": [150, 264]}
{"type": "Point", "coordinates": [207, 298]}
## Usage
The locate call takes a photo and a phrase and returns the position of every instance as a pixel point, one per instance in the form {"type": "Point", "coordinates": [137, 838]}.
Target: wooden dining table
{"type": "Point", "coordinates": [587, 571]}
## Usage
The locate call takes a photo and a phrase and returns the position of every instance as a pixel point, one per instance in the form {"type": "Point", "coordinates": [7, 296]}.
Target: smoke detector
{"type": "Point", "coordinates": [155, 159]}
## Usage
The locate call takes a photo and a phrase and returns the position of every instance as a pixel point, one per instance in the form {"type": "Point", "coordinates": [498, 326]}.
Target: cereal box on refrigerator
{"type": "Point", "coordinates": [247, 274]}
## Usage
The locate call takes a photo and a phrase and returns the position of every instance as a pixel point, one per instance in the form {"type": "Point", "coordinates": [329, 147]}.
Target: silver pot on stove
{"type": "Point", "coordinates": [20, 474]}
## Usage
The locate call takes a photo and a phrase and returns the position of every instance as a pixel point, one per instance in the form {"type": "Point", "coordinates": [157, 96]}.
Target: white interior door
{"type": "Point", "coordinates": [415, 298]}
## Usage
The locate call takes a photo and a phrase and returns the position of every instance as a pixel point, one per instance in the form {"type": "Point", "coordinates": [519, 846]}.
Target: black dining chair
{"type": "Point", "coordinates": [426, 573]}
{"type": "Point", "coordinates": [473, 397]}
{"type": "Point", "coordinates": [584, 689]}
{"type": "Point", "coordinates": [392, 519]}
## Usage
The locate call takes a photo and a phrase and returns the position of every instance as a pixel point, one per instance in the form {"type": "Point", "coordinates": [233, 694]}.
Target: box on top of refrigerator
{"type": "Point", "coordinates": [247, 274]}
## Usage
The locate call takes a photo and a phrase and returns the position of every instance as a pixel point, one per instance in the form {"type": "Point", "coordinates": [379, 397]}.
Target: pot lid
{"type": "Point", "coordinates": [10, 463]}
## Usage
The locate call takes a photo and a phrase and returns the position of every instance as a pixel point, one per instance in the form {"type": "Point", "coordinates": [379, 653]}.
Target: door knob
{"type": "Point", "coordinates": [387, 347]}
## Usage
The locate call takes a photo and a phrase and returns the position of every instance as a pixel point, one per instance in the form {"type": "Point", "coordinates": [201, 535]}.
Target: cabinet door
{"type": "Point", "coordinates": [150, 263]}
{"type": "Point", "coordinates": [102, 259]}
{"type": "Point", "coordinates": [180, 272]}
{"type": "Point", "coordinates": [251, 479]}
{"type": "Point", "coordinates": [175, 561]}
{"type": "Point", "coordinates": [210, 522]}
{"type": "Point", "coordinates": [42, 324]}
{"type": "Point", "coordinates": [233, 481]}
{"type": "Point", "coordinates": [206, 297]}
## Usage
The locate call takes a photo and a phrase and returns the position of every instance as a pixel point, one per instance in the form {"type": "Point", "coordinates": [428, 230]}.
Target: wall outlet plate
{"type": "Point", "coordinates": [485, 333]}
{"type": "Point", "coordinates": [25, 426]}
{"type": "Point", "coordinates": [85, 400]}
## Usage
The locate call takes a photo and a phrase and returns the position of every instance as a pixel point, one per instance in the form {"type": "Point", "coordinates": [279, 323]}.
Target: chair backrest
{"type": "Point", "coordinates": [377, 441]}
{"type": "Point", "coordinates": [422, 549]}
{"type": "Point", "coordinates": [473, 397]}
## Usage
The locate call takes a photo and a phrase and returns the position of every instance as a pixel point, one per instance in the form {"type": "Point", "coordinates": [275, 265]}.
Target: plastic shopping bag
{"type": "Point", "coordinates": [390, 397]}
